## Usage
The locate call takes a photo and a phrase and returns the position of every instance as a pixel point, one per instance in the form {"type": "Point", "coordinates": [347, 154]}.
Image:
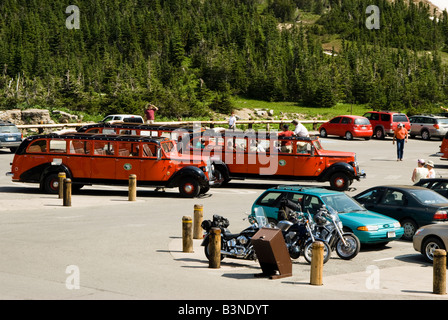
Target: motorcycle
{"type": "Point", "coordinates": [234, 245]}
{"type": "Point", "coordinates": [328, 226]}
{"type": "Point", "coordinates": [298, 232]}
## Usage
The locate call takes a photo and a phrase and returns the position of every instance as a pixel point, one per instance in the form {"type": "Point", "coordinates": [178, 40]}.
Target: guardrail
{"type": "Point", "coordinates": [211, 123]}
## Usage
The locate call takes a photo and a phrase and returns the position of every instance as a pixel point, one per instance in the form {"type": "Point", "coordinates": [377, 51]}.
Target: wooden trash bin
{"type": "Point", "coordinates": [271, 251]}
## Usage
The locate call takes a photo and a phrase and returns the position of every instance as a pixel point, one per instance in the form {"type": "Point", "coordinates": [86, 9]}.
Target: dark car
{"type": "Point", "coordinates": [413, 206]}
{"type": "Point", "coordinates": [439, 185]}
{"type": "Point", "coordinates": [10, 136]}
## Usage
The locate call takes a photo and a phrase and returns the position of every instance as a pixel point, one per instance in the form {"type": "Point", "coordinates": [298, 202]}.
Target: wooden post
{"type": "Point", "coordinates": [214, 248]}
{"type": "Point", "coordinates": [317, 263]}
{"type": "Point", "coordinates": [439, 272]}
{"type": "Point", "coordinates": [67, 200]}
{"type": "Point", "coordinates": [187, 234]}
{"type": "Point", "coordinates": [61, 177]}
{"type": "Point", "coordinates": [132, 187]}
{"type": "Point", "coordinates": [198, 217]}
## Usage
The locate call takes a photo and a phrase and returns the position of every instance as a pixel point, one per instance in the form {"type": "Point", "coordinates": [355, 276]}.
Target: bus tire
{"type": "Point", "coordinates": [50, 183]}
{"type": "Point", "coordinates": [189, 187]}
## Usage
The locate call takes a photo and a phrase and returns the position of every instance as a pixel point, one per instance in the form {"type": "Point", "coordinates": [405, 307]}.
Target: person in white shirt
{"type": "Point", "coordinates": [431, 172]}
{"type": "Point", "coordinates": [300, 129]}
{"type": "Point", "coordinates": [232, 121]}
{"type": "Point", "coordinates": [420, 172]}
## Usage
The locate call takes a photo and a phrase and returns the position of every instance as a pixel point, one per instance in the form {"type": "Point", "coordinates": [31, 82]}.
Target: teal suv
{"type": "Point", "coordinates": [368, 226]}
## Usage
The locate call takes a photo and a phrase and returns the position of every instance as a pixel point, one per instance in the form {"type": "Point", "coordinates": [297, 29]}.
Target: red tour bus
{"type": "Point", "coordinates": [257, 155]}
{"type": "Point", "coordinates": [109, 159]}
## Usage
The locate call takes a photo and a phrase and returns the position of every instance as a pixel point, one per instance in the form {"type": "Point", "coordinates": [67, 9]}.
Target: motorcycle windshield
{"type": "Point", "coordinates": [260, 216]}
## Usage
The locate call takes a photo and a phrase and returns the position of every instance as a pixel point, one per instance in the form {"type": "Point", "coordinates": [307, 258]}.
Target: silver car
{"type": "Point", "coordinates": [428, 126]}
{"type": "Point", "coordinates": [429, 238]}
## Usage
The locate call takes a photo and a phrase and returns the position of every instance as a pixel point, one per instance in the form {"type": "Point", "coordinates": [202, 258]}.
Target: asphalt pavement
{"type": "Point", "coordinates": [105, 247]}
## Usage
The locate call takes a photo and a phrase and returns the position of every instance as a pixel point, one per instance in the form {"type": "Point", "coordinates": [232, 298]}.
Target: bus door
{"type": "Point", "coordinates": [306, 161]}
{"type": "Point", "coordinates": [102, 160]}
{"type": "Point", "coordinates": [285, 158]}
{"type": "Point", "coordinates": [127, 160]}
{"type": "Point", "coordinates": [151, 168]}
{"type": "Point", "coordinates": [78, 158]}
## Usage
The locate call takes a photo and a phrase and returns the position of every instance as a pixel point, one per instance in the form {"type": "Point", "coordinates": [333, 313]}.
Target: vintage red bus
{"type": "Point", "coordinates": [109, 159]}
{"type": "Point", "coordinates": [257, 155]}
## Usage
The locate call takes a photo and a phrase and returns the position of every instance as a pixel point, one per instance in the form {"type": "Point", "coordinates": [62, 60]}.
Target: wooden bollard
{"type": "Point", "coordinates": [132, 187]}
{"type": "Point", "coordinates": [61, 177]}
{"type": "Point", "coordinates": [214, 248]}
{"type": "Point", "coordinates": [67, 199]}
{"type": "Point", "coordinates": [439, 272]}
{"type": "Point", "coordinates": [198, 217]}
{"type": "Point", "coordinates": [317, 264]}
{"type": "Point", "coordinates": [187, 234]}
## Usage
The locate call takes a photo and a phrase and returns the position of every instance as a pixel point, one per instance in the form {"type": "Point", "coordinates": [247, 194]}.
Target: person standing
{"type": "Point", "coordinates": [420, 172]}
{"type": "Point", "coordinates": [401, 136]}
{"type": "Point", "coordinates": [431, 171]}
{"type": "Point", "coordinates": [300, 130]}
{"type": "Point", "coordinates": [232, 121]}
{"type": "Point", "coordinates": [150, 113]}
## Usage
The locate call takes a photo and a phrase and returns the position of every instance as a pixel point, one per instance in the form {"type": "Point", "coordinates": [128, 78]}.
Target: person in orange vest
{"type": "Point", "coordinates": [401, 135]}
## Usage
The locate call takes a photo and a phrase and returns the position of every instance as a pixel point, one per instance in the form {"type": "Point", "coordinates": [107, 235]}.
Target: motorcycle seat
{"type": "Point", "coordinates": [228, 235]}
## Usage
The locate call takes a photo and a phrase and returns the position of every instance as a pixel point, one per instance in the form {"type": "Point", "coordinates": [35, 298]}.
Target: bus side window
{"type": "Point", "coordinates": [127, 149]}
{"type": "Point", "coordinates": [148, 150]}
{"type": "Point", "coordinates": [38, 146]}
{"type": "Point", "coordinates": [103, 148]}
{"type": "Point", "coordinates": [78, 147]}
{"type": "Point", "coordinates": [58, 146]}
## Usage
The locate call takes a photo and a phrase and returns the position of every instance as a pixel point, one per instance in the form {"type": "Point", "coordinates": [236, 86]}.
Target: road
{"type": "Point", "coordinates": [106, 247]}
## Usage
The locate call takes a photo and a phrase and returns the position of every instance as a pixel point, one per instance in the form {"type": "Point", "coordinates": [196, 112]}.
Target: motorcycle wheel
{"type": "Point", "coordinates": [308, 251]}
{"type": "Point", "coordinates": [207, 254]}
{"type": "Point", "coordinates": [350, 251]}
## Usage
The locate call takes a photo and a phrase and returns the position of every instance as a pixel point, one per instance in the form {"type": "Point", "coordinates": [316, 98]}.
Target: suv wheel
{"type": "Point", "coordinates": [426, 135]}
{"type": "Point", "coordinates": [379, 133]}
{"type": "Point", "coordinates": [189, 188]}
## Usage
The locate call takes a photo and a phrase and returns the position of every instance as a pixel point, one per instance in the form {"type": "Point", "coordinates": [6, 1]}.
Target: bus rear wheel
{"type": "Point", "coordinates": [50, 184]}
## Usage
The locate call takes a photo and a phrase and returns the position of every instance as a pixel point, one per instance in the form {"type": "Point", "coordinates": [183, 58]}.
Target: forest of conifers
{"type": "Point", "coordinates": [190, 56]}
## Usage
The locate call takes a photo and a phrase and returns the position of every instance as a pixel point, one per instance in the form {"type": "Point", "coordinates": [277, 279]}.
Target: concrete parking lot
{"type": "Point", "coordinates": [105, 247]}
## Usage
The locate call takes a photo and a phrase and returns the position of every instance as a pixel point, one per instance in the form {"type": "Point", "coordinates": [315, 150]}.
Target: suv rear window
{"type": "Point", "coordinates": [9, 129]}
{"type": "Point", "coordinates": [400, 118]}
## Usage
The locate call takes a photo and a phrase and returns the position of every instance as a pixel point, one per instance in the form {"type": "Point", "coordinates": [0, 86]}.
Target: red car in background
{"type": "Point", "coordinates": [347, 126]}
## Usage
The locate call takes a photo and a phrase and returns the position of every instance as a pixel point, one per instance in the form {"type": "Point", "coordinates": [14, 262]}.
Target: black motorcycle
{"type": "Point", "coordinates": [329, 227]}
{"type": "Point", "coordinates": [297, 229]}
{"type": "Point", "coordinates": [234, 245]}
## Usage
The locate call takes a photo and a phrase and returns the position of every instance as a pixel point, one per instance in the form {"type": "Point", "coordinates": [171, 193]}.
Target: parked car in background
{"type": "Point", "coordinates": [428, 126]}
{"type": "Point", "coordinates": [368, 226]}
{"type": "Point", "coordinates": [123, 118]}
{"type": "Point", "coordinates": [413, 206]}
{"type": "Point", "coordinates": [347, 126]}
{"type": "Point", "coordinates": [10, 136]}
{"type": "Point", "coordinates": [429, 238]}
{"type": "Point", "coordinates": [439, 185]}
{"type": "Point", "coordinates": [384, 123]}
